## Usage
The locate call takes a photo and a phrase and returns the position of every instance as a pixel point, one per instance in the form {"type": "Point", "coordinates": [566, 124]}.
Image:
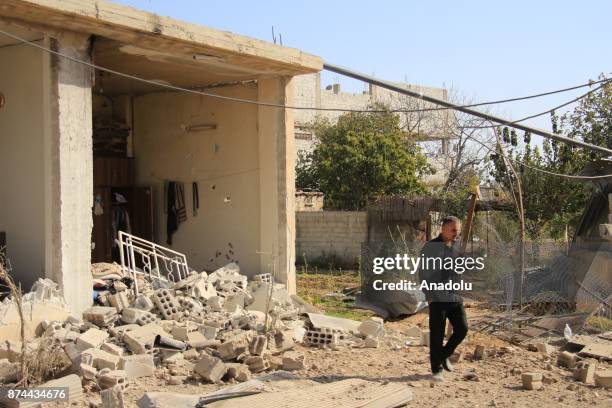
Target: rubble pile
{"type": "Point", "coordinates": [207, 327]}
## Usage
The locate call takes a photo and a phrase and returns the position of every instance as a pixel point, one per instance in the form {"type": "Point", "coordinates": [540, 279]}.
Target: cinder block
{"type": "Point", "coordinates": [101, 316]}
{"type": "Point", "coordinates": [92, 338]}
{"type": "Point", "coordinates": [112, 349]}
{"type": "Point", "coordinates": [210, 368]}
{"type": "Point", "coordinates": [111, 378]}
{"type": "Point", "coordinates": [425, 334]}
{"type": "Point", "coordinates": [531, 381]}
{"type": "Point", "coordinates": [566, 359]}
{"type": "Point", "coordinates": [604, 379]}
{"type": "Point", "coordinates": [480, 352]}
{"type": "Point", "coordinates": [258, 345]}
{"type": "Point", "coordinates": [256, 364]}
{"type": "Point", "coordinates": [167, 304]}
{"type": "Point", "coordinates": [456, 357]}
{"type": "Point", "coordinates": [209, 332]}
{"type": "Point", "coordinates": [119, 301]}
{"type": "Point", "coordinates": [138, 365]}
{"type": "Point", "coordinates": [112, 397]}
{"type": "Point", "coordinates": [293, 361]}
{"type": "Point", "coordinates": [372, 328]}
{"type": "Point", "coordinates": [102, 359]}
{"type": "Point", "coordinates": [585, 371]}
{"type": "Point", "coordinates": [88, 372]}
{"type": "Point", "coordinates": [232, 348]}
{"type": "Point", "coordinates": [238, 371]}
{"type": "Point", "coordinates": [371, 342]}
{"type": "Point", "coordinates": [544, 348]}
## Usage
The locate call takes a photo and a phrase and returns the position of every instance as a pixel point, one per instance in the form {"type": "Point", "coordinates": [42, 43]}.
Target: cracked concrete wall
{"type": "Point", "coordinates": [22, 200]}
{"type": "Point", "coordinates": [70, 171]}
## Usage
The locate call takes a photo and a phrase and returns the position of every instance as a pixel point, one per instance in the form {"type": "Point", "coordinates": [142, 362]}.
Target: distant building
{"type": "Point", "coordinates": [432, 127]}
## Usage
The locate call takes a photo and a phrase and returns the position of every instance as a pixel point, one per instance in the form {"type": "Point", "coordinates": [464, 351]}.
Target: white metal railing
{"type": "Point", "coordinates": [157, 262]}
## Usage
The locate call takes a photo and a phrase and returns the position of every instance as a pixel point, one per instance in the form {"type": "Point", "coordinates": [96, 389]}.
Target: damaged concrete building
{"type": "Point", "coordinates": [68, 130]}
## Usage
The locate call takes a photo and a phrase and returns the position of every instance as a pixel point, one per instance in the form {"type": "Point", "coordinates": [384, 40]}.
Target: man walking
{"type": "Point", "coordinates": [446, 303]}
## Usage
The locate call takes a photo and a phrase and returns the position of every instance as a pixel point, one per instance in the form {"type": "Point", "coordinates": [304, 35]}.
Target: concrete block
{"type": "Point", "coordinates": [180, 333]}
{"type": "Point", "coordinates": [191, 354]}
{"type": "Point", "coordinates": [88, 372]}
{"type": "Point", "coordinates": [425, 337]}
{"type": "Point", "coordinates": [283, 341]}
{"type": "Point", "coordinates": [585, 371]}
{"type": "Point", "coordinates": [238, 371]}
{"type": "Point", "coordinates": [256, 364]}
{"type": "Point", "coordinates": [195, 337]}
{"type": "Point", "coordinates": [371, 342]}
{"type": "Point", "coordinates": [142, 339]}
{"type": "Point", "coordinates": [544, 348]}
{"type": "Point", "coordinates": [131, 314]}
{"type": "Point", "coordinates": [138, 365]}
{"type": "Point", "coordinates": [167, 304]}
{"type": "Point", "coordinates": [604, 379]}
{"type": "Point", "coordinates": [232, 348]}
{"type": "Point", "coordinates": [112, 349]}
{"type": "Point", "coordinates": [101, 316]}
{"type": "Point", "coordinates": [566, 359]}
{"type": "Point", "coordinates": [293, 361]}
{"type": "Point", "coordinates": [258, 345]}
{"type": "Point", "coordinates": [372, 328]}
{"type": "Point", "coordinates": [119, 301]}
{"type": "Point", "coordinates": [531, 381]}
{"type": "Point", "coordinates": [102, 359]}
{"type": "Point", "coordinates": [146, 318]}
{"type": "Point", "coordinates": [112, 397]}
{"type": "Point", "coordinates": [456, 357]}
{"type": "Point", "coordinates": [480, 352]}
{"type": "Point", "coordinates": [171, 356]}
{"type": "Point", "coordinates": [210, 368]}
{"type": "Point", "coordinates": [92, 338]}
{"type": "Point", "coordinates": [111, 378]}
{"type": "Point", "coordinates": [73, 353]}
{"type": "Point", "coordinates": [144, 302]}
{"type": "Point", "coordinates": [209, 332]}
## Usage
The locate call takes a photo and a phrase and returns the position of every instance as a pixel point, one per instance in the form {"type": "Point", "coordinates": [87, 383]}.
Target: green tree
{"type": "Point", "coordinates": [361, 157]}
{"type": "Point", "coordinates": [551, 202]}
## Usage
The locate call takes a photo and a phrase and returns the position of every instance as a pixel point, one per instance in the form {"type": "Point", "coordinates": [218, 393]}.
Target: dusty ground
{"type": "Point", "coordinates": [497, 379]}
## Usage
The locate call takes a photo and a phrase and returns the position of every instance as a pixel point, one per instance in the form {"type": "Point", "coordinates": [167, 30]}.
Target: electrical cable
{"type": "Point", "coordinates": [275, 105]}
{"type": "Point", "coordinates": [259, 103]}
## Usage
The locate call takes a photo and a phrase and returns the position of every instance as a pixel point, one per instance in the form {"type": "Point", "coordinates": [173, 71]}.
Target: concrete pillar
{"type": "Point", "coordinates": [69, 171]}
{"type": "Point", "coordinates": [277, 181]}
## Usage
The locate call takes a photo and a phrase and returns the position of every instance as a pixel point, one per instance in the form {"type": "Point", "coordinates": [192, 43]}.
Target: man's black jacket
{"type": "Point", "coordinates": [436, 248]}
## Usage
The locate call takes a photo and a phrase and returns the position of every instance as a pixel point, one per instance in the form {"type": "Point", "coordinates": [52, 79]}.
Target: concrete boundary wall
{"type": "Point", "coordinates": [330, 236]}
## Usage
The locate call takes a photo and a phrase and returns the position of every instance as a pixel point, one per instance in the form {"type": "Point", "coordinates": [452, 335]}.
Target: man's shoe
{"type": "Point", "coordinates": [446, 364]}
{"type": "Point", "coordinates": [437, 377]}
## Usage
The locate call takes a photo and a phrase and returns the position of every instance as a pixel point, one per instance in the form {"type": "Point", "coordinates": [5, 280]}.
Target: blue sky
{"type": "Point", "coordinates": [483, 49]}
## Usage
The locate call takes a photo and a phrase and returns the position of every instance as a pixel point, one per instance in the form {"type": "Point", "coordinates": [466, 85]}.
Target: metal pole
{"type": "Point", "coordinates": [392, 87]}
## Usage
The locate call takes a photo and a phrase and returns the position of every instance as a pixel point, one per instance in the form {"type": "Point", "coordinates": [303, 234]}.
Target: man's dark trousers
{"type": "Point", "coordinates": [438, 313]}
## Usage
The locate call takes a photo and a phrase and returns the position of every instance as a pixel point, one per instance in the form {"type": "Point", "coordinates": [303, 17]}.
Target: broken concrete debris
{"type": "Point", "coordinates": [531, 381]}
{"type": "Point", "coordinates": [219, 325]}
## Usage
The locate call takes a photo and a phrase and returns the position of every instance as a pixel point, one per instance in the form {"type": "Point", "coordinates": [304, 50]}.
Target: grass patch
{"type": "Point", "coordinates": [599, 323]}
{"type": "Point", "coordinates": [315, 288]}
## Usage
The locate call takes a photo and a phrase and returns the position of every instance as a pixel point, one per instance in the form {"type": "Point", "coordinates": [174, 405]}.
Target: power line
{"type": "Point", "coordinates": [538, 114]}
{"type": "Point", "coordinates": [492, 118]}
{"type": "Point", "coordinates": [569, 176]}
{"type": "Point", "coordinates": [275, 105]}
